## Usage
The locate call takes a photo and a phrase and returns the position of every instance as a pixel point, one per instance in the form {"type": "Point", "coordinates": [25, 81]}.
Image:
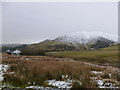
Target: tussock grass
{"type": "Point", "coordinates": [40, 70]}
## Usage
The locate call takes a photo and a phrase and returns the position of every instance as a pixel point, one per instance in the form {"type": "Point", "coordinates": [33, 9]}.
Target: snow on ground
{"type": "Point", "coordinates": [42, 88]}
{"type": "Point", "coordinates": [102, 83]}
{"type": "Point", "coordinates": [67, 83]}
{"type": "Point", "coordinates": [60, 84]}
{"type": "Point", "coordinates": [3, 69]}
{"type": "Point", "coordinates": [97, 72]}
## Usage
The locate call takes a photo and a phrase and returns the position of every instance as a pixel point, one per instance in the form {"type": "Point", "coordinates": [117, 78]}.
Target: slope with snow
{"type": "Point", "coordinates": [85, 37]}
{"type": "Point", "coordinates": [89, 39]}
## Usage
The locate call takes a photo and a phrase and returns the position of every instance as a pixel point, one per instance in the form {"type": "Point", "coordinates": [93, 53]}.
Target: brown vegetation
{"type": "Point", "coordinates": [40, 70]}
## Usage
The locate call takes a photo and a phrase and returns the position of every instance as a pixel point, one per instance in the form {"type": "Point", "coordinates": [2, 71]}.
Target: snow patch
{"type": "Point", "coordinates": [97, 72]}
{"type": "Point", "coordinates": [38, 87]}
{"type": "Point", "coordinates": [102, 83]}
{"type": "Point", "coordinates": [3, 69]}
{"type": "Point", "coordinates": [60, 84]}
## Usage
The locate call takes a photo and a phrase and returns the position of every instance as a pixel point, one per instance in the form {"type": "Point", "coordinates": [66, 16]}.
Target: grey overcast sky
{"type": "Point", "coordinates": [36, 21]}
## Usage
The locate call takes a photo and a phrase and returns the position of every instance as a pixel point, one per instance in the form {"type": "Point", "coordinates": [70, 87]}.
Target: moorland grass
{"type": "Point", "coordinates": [102, 56]}
{"type": "Point", "coordinates": [40, 70]}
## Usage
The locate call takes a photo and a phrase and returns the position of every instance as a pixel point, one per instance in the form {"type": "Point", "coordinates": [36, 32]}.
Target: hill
{"type": "Point", "coordinates": [83, 41]}
{"type": "Point", "coordinates": [73, 42]}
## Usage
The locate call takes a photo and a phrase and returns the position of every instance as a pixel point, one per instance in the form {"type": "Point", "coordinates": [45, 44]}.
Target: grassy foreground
{"type": "Point", "coordinates": [21, 72]}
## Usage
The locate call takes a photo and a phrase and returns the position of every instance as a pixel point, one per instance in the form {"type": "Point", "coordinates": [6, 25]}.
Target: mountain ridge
{"type": "Point", "coordinates": [81, 41]}
{"type": "Point", "coordinates": [71, 42]}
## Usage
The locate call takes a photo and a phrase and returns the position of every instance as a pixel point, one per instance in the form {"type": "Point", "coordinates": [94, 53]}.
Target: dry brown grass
{"type": "Point", "coordinates": [40, 70]}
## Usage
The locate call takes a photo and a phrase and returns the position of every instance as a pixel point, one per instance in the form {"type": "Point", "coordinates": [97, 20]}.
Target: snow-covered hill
{"type": "Point", "coordinates": [85, 37]}
{"type": "Point", "coordinates": [89, 39]}
{"type": "Point", "coordinates": [76, 41]}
